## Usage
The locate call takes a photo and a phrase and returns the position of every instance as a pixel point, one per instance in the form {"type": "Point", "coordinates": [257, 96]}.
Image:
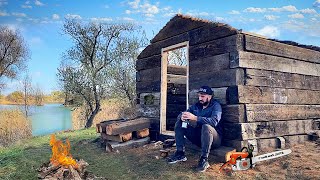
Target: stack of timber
{"type": "Point", "coordinates": [123, 134]}
{"type": "Point", "coordinates": [269, 90]}
{"type": "Point", "coordinates": [278, 104]}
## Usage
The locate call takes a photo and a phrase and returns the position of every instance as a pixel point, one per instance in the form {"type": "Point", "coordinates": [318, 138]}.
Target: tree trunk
{"type": "Point", "coordinates": [92, 115]}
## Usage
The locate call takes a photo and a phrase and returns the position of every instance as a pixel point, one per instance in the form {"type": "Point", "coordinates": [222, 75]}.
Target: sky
{"type": "Point", "coordinates": [40, 23]}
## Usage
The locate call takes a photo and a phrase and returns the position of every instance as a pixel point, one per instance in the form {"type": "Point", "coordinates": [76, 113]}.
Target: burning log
{"type": "Point", "coordinates": [62, 165]}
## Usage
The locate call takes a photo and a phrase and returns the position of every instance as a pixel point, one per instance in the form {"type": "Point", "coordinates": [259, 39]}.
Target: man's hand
{"type": "Point", "coordinates": [188, 115]}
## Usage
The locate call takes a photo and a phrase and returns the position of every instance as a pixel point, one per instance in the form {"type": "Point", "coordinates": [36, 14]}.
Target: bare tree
{"type": "Point", "coordinates": [122, 69]}
{"type": "Point", "coordinates": [13, 53]}
{"type": "Point", "coordinates": [84, 70]}
{"type": "Point", "coordinates": [38, 95]}
{"type": "Point", "coordinates": [27, 93]}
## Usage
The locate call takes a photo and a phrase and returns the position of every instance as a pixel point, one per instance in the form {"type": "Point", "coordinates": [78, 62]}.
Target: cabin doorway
{"type": "Point", "coordinates": [174, 85]}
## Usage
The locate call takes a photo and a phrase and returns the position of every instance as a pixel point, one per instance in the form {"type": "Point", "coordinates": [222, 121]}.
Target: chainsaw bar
{"type": "Point", "coordinates": [271, 155]}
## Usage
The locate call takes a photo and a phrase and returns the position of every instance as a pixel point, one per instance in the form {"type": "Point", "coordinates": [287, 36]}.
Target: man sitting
{"type": "Point", "coordinates": [200, 124]}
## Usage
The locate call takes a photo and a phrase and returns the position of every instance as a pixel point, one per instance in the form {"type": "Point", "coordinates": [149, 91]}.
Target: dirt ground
{"type": "Point", "coordinates": [302, 163]}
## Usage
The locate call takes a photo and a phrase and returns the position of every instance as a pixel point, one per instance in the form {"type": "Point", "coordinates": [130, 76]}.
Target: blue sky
{"type": "Point", "coordinates": [40, 22]}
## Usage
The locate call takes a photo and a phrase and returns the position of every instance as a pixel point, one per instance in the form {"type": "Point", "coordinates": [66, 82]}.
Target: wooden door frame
{"type": "Point", "coordinates": [164, 84]}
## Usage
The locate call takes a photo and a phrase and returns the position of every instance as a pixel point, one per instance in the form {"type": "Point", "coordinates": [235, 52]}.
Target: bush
{"type": "Point", "coordinates": [14, 126]}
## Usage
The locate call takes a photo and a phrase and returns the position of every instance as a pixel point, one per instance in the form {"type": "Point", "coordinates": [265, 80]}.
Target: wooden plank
{"type": "Point", "coordinates": [142, 133]}
{"type": "Point", "coordinates": [152, 111]}
{"type": "Point", "coordinates": [267, 95]}
{"type": "Point", "coordinates": [268, 62]}
{"type": "Point", "coordinates": [177, 70]}
{"type": "Point", "coordinates": [148, 62]}
{"type": "Point", "coordinates": [211, 31]}
{"type": "Point", "coordinates": [209, 64]}
{"type": "Point", "coordinates": [113, 146]}
{"type": "Point", "coordinates": [171, 98]}
{"type": "Point", "coordinates": [148, 86]}
{"type": "Point", "coordinates": [271, 112]}
{"type": "Point", "coordinates": [268, 144]}
{"type": "Point", "coordinates": [176, 79]}
{"type": "Point", "coordinates": [219, 94]}
{"type": "Point", "coordinates": [257, 130]}
{"type": "Point", "coordinates": [176, 26]}
{"type": "Point", "coordinates": [255, 77]}
{"type": "Point", "coordinates": [155, 48]}
{"type": "Point", "coordinates": [216, 47]}
{"type": "Point", "coordinates": [233, 113]}
{"type": "Point", "coordinates": [265, 46]}
{"type": "Point", "coordinates": [127, 126]}
{"type": "Point", "coordinates": [118, 138]}
{"type": "Point", "coordinates": [217, 79]}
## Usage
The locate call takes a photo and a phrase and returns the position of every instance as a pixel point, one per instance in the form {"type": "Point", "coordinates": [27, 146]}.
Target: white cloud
{"type": "Point", "coordinates": [197, 14]}
{"type": "Point", "coordinates": [127, 19]}
{"type": "Point", "coordinates": [38, 3]}
{"type": "Point", "coordinates": [317, 4]}
{"type": "Point", "coordinates": [149, 8]}
{"type": "Point", "coordinates": [106, 6]}
{"type": "Point", "coordinates": [234, 12]}
{"type": "Point", "coordinates": [19, 14]}
{"type": "Point", "coordinates": [134, 4]}
{"type": "Point", "coordinates": [3, 2]}
{"type": "Point", "coordinates": [128, 12]}
{"type": "Point", "coordinates": [255, 10]}
{"type": "Point", "coordinates": [35, 41]}
{"type": "Point", "coordinates": [73, 16]}
{"type": "Point", "coordinates": [104, 19]}
{"type": "Point", "coordinates": [296, 16]}
{"type": "Point", "coordinates": [308, 11]}
{"type": "Point", "coordinates": [269, 31]}
{"type": "Point", "coordinates": [219, 19]}
{"type": "Point", "coordinates": [3, 13]}
{"type": "Point", "coordinates": [55, 16]}
{"type": "Point", "coordinates": [314, 19]}
{"type": "Point", "coordinates": [149, 15]}
{"type": "Point", "coordinates": [26, 6]}
{"type": "Point", "coordinates": [27, 2]}
{"type": "Point", "coordinates": [271, 17]}
{"type": "Point", "coordinates": [289, 8]}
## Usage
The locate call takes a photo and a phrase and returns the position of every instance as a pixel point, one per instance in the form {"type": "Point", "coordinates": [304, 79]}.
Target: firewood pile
{"type": "Point", "coordinates": [62, 165]}
{"type": "Point", "coordinates": [123, 134]}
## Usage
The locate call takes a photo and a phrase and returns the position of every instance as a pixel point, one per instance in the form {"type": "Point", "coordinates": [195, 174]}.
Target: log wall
{"type": "Point", "coordinates": [267, 89]}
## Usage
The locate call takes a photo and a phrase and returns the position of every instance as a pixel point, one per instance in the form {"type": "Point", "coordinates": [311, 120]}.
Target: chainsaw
{"type": "Point", "coordinates": [244, 160]}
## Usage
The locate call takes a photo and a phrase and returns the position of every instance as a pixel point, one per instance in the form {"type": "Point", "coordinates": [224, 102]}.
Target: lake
{"type": "Point", "coordinates": [47, 119]}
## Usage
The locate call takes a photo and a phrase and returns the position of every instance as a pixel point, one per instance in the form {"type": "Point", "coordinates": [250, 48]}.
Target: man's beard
{"type": "Point", "coordinates": [204, 103]}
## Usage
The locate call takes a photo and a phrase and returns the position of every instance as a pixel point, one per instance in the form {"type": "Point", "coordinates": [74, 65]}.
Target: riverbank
{"type": "Point", "coordinates": [21, 160]}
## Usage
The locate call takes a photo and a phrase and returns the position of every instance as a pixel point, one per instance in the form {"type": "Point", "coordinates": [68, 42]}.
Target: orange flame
{"type": "Point", "coordinates": [61, 153]}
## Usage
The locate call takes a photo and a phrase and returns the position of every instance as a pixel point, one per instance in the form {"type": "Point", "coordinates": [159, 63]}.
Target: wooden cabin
{"type": "Point", "coordinates": [269, 90]}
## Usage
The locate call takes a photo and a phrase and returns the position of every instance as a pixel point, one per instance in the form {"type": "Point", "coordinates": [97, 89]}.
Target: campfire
{"type": "Point", "coordinates": [62, 165]}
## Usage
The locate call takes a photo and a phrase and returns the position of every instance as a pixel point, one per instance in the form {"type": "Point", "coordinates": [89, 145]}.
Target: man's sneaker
{"type": "Point", "coordinates": [203, 164]}
{"type": "Point", "coordinates": [177, 157]}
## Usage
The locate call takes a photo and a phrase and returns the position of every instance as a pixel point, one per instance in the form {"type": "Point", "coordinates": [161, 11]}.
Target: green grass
{"type": "Point", "coordinates": [21, 160]}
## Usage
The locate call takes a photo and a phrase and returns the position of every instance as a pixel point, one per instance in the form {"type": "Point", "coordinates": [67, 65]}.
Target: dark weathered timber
{"type": "Point", "coordinates": [150, 111]}
{"type": "Point", "coordinates": [267, 95]}
{"type": "Point", "coordinates": [268, 144]}
{"type": "Point", "coordinates": [253, 60]}
{"type": "Point", "coordinates": [217, 79]}
{"type": "Point", "coordinates": [127, 126]}
{"type": "Point", "coordinates": [118, 138]}
{"type": "Point", "coordinates": [155, 48]}
{"type": "Point", "coordinates": [209, 64]}
{"type": "Point", "coordinates": [265, 46]}
{"type": "Point", "coordinates": [177, 25]}
{"type": "Point", "coordinates": [148, 86]}
{"type": "Point", "coordinates": [178, 70]}
{"type": "Point", "coordinates": [154, 74]}
{"type": "Point", "coordinates": [257, 130]}
{"type": "Point", "coordinates": [255, 77]}
{"type": "Point", "coordinates": [220, 46]}
{"type": "Point", "coordinates": [210, 32]}
{"type": "Point", "coordinates": [272, 112]}
{"type": "Point", "coordinates": [149, 62]}
{"type": "Point", "coordinates": [233, 113]}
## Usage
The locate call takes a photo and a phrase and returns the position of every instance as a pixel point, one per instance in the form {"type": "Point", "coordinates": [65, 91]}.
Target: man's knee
{"type": "Point", "coordinates": [178, 124]}
{"type": "Point", "coordinates": [206, 128]}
